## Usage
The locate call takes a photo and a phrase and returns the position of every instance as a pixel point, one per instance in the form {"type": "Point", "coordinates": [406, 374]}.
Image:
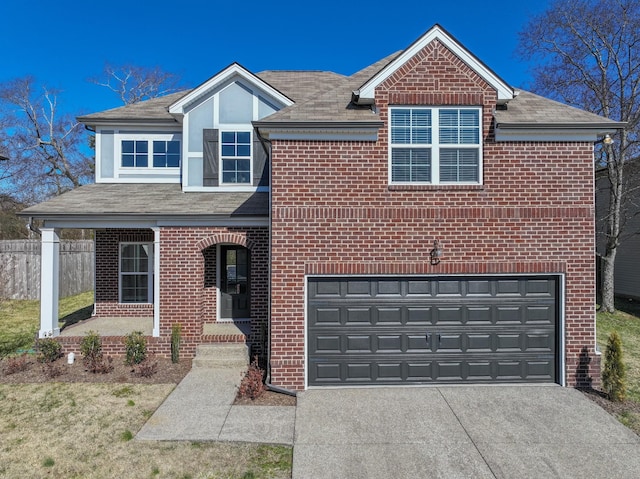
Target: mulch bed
{"type": "Point", "coordinates": [166, 372]}
{"type": "Point", "coordinates": [615, 408]}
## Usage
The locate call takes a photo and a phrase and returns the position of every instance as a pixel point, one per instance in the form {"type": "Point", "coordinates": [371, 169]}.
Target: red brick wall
{"type": "Point", "coordinates": [187, 281]}
{"type": "Point", "coordinates": [334, 213]}
{"type": "Point", "coordinates": [107, 257]}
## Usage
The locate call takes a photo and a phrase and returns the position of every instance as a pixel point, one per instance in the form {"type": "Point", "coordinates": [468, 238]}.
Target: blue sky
{"type": "Point", "coordinates": [62, 43]}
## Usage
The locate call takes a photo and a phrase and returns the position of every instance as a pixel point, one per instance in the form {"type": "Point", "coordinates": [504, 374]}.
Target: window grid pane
{"type": "Point", "coordinates": [166, 154]}
{"type": "Point", "coordinates": [411, 164]}
{"type": "Point", "coordinates": [411, 126]}
{"type": "Point", "coordinates": [459, 165]}
{"type": "Point", "coordinates": [134, 153]}
{"type": "Point", "coordinates": [236, 156]}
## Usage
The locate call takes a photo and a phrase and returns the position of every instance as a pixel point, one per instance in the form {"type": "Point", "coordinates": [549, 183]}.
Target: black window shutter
{"type": "Point", "coordinates": [260, 164]}
{"type": "Point", "coordinates": [211, 162]}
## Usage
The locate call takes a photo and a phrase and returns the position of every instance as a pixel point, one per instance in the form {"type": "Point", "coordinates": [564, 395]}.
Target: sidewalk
{"type": "Point", "coordinates": [200, 409]}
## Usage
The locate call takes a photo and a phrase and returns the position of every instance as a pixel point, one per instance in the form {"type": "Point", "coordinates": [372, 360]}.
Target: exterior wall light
{"type": "Point", "coordinates": [607, 140]}
{"type": "Point", "coordinates": [435, 253]}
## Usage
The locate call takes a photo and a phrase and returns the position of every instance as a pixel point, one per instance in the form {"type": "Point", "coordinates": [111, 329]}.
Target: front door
{"type": "Point", "coordinates": [235, 299]}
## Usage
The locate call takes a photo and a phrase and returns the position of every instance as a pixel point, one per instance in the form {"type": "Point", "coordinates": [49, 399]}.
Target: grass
{"type": "Point", "coordinates": [626, 320]}
{"type": "Point", "coordinates": [20, 319]}
{"type": "Point", "coordinates": [87, 431]}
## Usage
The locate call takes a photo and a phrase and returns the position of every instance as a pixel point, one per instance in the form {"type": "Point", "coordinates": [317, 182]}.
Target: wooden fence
{"type": "Point", "coordinates": [20, 268]}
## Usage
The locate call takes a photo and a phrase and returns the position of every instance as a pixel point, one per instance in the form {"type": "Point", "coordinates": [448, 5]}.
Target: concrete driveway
{"type": "Point", "coordinates": [459, 432]}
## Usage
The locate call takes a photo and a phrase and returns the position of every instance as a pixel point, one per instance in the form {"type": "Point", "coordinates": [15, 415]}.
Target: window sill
{"type": "Point", "coordinates": [435, 187]}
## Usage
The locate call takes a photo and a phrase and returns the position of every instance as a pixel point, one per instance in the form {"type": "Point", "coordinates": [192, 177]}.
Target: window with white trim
{"type": "Point", "coordinates": [235, 149]}
{"type": "Point", "coordinates": [136, 273]}
{"type": "Point", "coordinates": [435, 145]}
{"type": "Point", "coordinates": [164, 153]}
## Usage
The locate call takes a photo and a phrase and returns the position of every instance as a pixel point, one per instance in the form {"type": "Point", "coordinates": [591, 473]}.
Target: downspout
{"type": "Point", "coordinates": [33, 228]}
{"type": "Point", "coordinates": [266, 144]}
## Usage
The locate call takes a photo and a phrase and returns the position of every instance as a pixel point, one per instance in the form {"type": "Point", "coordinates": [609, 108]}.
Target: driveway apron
{"type": "Point", "coordinates": [459, 432]}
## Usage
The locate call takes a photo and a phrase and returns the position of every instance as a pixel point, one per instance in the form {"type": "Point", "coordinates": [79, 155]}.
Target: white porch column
{"type": "Point", "coordinates": [49, 283]}
{"type": "Point", "coordinates": [156, 282]}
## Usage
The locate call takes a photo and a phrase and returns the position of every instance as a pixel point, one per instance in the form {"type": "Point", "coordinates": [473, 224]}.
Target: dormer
{"type": "Point", "coordinates": [220, 149]}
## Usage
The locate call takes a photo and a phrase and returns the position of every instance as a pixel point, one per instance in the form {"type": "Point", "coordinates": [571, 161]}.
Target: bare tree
{"type": "Point", "coordinates": [43, 146]}
{"type": "Point", "coordinates": [134, 83]}
{"type": "Point", "coordinates": [587, 54]}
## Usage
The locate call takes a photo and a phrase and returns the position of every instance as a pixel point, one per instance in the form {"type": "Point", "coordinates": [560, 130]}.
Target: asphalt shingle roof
{"type": "Point", "coordinates": [529, 109]}
{"type": "Point", "coordinates": [131, 199]}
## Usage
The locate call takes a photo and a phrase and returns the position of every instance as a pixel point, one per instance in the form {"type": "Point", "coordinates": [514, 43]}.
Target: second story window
{"type": "Point", "coordinates": [166, 154]}
{"type": "Point", "coordinates": [135, 153]}
{"type": "Point", "coordinates": [235, 149]}
{"type": "Point", "coordinates": [163, 153]}
{"type": "Point", "coordinates": [439, 145]}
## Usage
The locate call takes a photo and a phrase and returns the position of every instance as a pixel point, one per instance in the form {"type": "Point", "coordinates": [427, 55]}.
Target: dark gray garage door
{"type": "Point", "coordinates": [394, 330]}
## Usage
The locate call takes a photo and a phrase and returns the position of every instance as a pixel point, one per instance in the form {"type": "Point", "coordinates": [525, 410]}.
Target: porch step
{"type": "Point", "coordinates": [221, 355]}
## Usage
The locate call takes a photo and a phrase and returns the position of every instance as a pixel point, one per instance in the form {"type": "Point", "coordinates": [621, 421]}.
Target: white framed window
{"type": "Point", "coordinates": [235, 154]}
{"type": "Point", "coordinates": [153, 151]}
{"type": "Point", "coordinates": [435, 145]}
{"type": "Point", "coordinates": [135, 275]}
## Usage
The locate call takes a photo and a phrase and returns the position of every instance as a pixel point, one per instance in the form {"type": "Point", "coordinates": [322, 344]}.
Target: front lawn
{"type": "Point", "coordinates": [20, 319]}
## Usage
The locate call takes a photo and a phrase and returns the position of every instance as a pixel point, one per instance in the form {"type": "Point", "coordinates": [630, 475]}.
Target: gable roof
{"type": "Point", "coordinates": [233, 70]}
{"type": "Point", "coordinates": [504, 91]}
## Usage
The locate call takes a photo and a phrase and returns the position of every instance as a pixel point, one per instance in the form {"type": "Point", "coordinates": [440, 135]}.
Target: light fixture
{"type": "Point", "coordinates": [435, 253]}
{"type": "Point", "coordinates": [607, 140]}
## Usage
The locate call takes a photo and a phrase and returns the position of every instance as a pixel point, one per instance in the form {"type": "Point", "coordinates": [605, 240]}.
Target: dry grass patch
{"type": "Point", "coordinates": [85, 431]}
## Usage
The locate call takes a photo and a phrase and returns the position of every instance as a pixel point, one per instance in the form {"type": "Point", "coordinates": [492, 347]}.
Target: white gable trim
{"type": "Point", "coordinates": [505, 92]}
{"type": "Point", "coordinates": [232, 70]}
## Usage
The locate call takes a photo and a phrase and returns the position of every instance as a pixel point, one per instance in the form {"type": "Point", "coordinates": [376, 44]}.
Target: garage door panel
{"type": "Point", "coordinates": [423, 330]}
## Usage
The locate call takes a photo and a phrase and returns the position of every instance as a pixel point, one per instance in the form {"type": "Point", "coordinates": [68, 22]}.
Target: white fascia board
{"type": "Point", "coordinates": [142, 222]}
{"type": "Point", "coordinates": [505, 92]}
{"type": "Point", "coordinates": [548, 134]}
{"type": "Point", "coordinates": [233, 70]}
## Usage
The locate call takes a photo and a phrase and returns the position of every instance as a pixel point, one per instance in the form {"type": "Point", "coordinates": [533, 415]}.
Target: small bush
{"type": "Point", "coordinates": [135, 348]}
{"type": "Point", "coordinates": [252, 385]}
{"type": "Point", "coordinates": [175, 342]}
{"type": "Point", "coordinates": [146, 368]}
{"type": "Point", "coordinates": [126, 435]}
{"type": "Point", "coordinates": [91, 345]}
{"type": "Point", "coordinates": [91, 350]}
{"type": "Point", "coordinates": [16, 364]}
{"type": "Point", "coordinates": [48, 350]}
{"type": "Point", "coordinates": [614, 381]}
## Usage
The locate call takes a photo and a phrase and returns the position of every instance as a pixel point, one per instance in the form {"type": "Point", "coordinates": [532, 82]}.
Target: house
{"type": "Point", "coordinates": [627, 262]}
{"type": "Point", "coordinates": [417, 222]}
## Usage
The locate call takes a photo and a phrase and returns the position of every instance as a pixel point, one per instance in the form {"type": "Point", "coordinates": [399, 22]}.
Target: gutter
{"type": "Point", "coordinates": [266, 144]}
{"type": "Point", "coordinates": [32, 227]}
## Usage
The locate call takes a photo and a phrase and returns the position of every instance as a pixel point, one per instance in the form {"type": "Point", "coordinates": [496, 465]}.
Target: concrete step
{"type": "Point", "coordinates": [221, 355]}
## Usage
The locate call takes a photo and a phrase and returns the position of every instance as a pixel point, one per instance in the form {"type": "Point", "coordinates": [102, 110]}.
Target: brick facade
{"type": "Point", "coordinates": [188, 282]}
{"type": "Point", "coordinates": [334, 213]}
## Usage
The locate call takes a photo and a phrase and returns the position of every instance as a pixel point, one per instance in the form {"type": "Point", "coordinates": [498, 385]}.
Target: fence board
{"type": "Point", "coordinates": [20, 268]}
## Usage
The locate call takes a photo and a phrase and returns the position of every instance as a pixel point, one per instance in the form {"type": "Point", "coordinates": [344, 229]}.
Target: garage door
{"type": "Point", "coordinates": [391, 330]}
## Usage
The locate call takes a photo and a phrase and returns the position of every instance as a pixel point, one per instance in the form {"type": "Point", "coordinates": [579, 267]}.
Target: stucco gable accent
{"type": "Point", "coordinates": [503, 90]}
{"type": "Point", "coordinates": [232, 238]}
{"type": "Point", "coordinates": [233, 70]}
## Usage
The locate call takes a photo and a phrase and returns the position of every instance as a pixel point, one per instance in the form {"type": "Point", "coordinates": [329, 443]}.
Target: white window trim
{"type": "Point", "coordinates": [150, 138]}
{"type": "Point", "coordinates": [150, 271]}
{"type": "Point", "coordinates": [235, 128]}
{"type": "Point", "coordinates": [435, 145]}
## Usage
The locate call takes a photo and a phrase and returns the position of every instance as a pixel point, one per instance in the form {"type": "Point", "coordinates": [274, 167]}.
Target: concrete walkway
{"type": "Point", "coordinates": [200, 409]}
{"type": "Point", "coordinates": [436, 432]}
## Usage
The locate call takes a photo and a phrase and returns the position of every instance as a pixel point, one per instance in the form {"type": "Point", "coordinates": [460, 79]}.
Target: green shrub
{"type": "Point", "coordinates": [175, 342]}
{"type": "Point", "coordinates": [614, 381]}
{"type": "Point", "coordinates": [91, 349]}
{"type": "Point", "coordinates": [135, 348]}
{"type": "Point", "coordinates": [91, 346]}
{"type": "Point", "coordinates": [48, 350]}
